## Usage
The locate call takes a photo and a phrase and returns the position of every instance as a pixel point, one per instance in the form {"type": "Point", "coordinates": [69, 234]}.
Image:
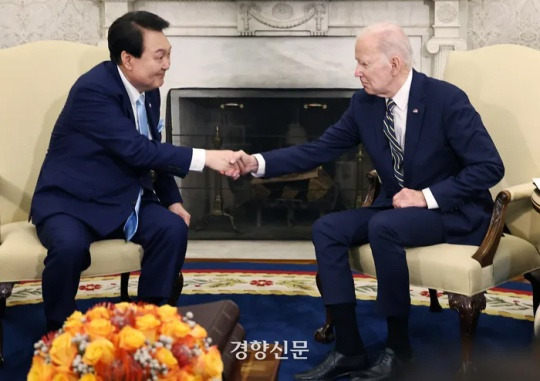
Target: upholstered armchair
{"type": "Point", "coordinates": [36, 78]}
{"type": "Point", "coordinates": [503, 83]}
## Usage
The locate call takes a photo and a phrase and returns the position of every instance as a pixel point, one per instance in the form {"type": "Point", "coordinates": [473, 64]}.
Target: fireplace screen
{"type": "Point", "coordinates": [255, 121]}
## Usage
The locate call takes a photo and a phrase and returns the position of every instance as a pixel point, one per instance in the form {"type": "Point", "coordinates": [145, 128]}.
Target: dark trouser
{"type": "Point", "coordinates": [388, 231]}
{"type": "Point", "coordinates": [161, 233]}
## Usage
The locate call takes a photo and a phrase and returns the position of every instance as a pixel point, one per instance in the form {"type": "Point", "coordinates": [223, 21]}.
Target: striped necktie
{"type": "Point", "coordinates": [395, 148]}
{"type": "Point", "coordinates": [130, 227]}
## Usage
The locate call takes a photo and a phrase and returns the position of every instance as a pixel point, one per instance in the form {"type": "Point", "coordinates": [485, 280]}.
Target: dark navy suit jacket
{"type": "Point", "coordinates": [97, 161]}
{"type": "Point", "coordinates": [447, 149]}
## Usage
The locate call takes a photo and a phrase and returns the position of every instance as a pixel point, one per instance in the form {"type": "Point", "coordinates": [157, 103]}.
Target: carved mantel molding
{"type": "Point", "coordinates": [437, 26]}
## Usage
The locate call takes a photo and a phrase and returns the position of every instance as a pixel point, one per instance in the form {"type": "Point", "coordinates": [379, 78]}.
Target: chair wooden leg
{"type": "Point", "coordinates": [324, 334]}
{"type": "Point", "coordinates": [535, 283]}
{"type": "Point", "coordinates": [124, 283]}
{"type": "Point", "coordinates": [468, 308]}
{"type": "Point", "coordinates": [177, 290]}
{"type": "Point", "coordinates": [434, 305]}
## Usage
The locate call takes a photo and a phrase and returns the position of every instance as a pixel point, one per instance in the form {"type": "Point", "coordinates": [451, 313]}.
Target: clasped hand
{"type": "Point", "coordinates": [231, 163]}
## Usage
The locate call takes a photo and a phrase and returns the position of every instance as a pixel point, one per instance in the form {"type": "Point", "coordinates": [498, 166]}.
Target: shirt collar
{"type": "Point", "coordinates": [133, 93]}
{"type": "Point", "coordinates": [401, 99]}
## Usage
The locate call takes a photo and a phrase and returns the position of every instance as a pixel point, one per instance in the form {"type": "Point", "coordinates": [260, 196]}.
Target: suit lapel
{"type": "Point", "coordinates": [126, 103]}
{"type": "Point", "coordinates": [415, 118]}
{"type": "Point", "coordinates": [377, 120]}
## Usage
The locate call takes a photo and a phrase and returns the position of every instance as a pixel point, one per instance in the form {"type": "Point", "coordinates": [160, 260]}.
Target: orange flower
{"type": "Point", "coordinates": [88, 377]}
{"type": "Point", "coordinates": [212, 364]}
{"type": "Point", "coordinates": [166, 357]}
{"type": "Point", "coordinates": [167, 313]}
{"type": "Point", "coordinates": [40, 370]}
{"type": "Point", "coordinates": [130, 338]}
{"type": "Point", "coordinates": [118, 340]}
{"type": "Point", "coordinates": [198, 332]}
{"type": "Point", "coordinates": [65, 375]}
{"type": "Point", "coordinates": [99, 350]}
{"type": "Point", "coordinates": [98, 312]}
{"type": "Point", "coordinates": [62, 351]}
{"type": "Point", "coordinates": [74, 324]}
{"type": "Point", "coordinates": [148, 324]}
{"type": "Point", "coordinates": [175, 329]}
{"type": "Point", "coordinates": [99, 327]}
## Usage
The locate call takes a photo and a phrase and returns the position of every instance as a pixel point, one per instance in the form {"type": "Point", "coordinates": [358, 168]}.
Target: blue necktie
{"type": "Point", "coordinates": [132, 222]}
{"type": "Point", "coordinates": [395, 148]}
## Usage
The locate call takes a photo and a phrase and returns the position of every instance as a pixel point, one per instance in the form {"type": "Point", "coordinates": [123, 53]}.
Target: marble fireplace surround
{"type": "Point", "coordinates": [290, 43]}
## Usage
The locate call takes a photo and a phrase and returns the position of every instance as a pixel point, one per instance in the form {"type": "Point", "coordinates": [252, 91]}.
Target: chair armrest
{"type": "Point", "coordinates": [521, 191]}
{"type": "Point", "coordinates": [485, 253]}
{"type": "Point", "coordinates": [373, 188]}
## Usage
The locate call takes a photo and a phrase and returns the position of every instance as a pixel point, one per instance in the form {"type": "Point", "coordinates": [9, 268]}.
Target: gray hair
{"type": "Point", "coordinates": [391, 40]}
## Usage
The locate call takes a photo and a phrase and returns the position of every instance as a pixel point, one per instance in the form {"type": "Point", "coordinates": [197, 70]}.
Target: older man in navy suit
{"type": "Point", "coordinates": [107, 174]}
{"type": "Point", "coordinates": [436, 162]}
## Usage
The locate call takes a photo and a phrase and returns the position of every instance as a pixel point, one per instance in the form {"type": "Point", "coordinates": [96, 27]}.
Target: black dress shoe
{"type": "Point", "coordinates": [333, 366]}
{"type": "Point", "coordinates": [388, 366]}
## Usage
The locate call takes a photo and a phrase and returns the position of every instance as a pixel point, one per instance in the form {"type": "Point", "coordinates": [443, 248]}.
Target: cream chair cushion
{"type": "Point", "coordinates": [23, 255]}
{"type": "Point", "coordinates": [36, 78]}
{"type": "Point", "coordinates": [450, 267]}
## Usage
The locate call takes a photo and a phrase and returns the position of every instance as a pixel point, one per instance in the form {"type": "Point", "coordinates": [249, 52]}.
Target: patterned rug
{"type": "Point", "coordinates": [512, 299]}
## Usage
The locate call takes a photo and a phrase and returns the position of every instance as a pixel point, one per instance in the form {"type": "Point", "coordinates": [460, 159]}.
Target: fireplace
{"type": "Point", "coordinates": [257, 120]}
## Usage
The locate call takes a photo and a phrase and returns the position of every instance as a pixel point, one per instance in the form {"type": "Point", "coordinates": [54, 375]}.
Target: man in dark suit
{"type": "Point", "coordinates": [436, 162]}
{"type": "Point", "coordinates": [107, 174]}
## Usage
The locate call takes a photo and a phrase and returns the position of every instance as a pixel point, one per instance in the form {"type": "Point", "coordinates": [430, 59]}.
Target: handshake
{"type": "Point", "coordinates": [231, 163]}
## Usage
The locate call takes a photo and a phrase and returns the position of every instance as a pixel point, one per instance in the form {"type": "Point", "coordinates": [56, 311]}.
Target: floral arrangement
{"type": "Point", "coordinates": [127, 341]}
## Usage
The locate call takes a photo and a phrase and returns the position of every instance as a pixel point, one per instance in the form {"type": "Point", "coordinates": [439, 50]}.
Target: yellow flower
{"type": "Point", "coordinates": [184, 376]}
{"type": "Point", "coordinates": [62, 351]}
{"type": "Point", "coordinates": [99, 350]}
{"type": "Point", "coordinates": [74, 324]}
{"type": "Point", "coordinates": [198, 332]}
{"type": "Point", "coordinates": [98, 312]}
{"type": "Point", "coordinates": [88, 377]}
{"type": "Point", "coordinates": [40, 370]}
{"type": "Point", "coordinates": [130, 338]}
{"type": "Point", "coordinates": [148, 324]}
{"type": "Point", "coordinates": [149, 308]}
{"type": "Point", "coordinates": [167, 313]}
{"type": "Point", "coordinates": [110, 347]}
{"type": "Point", "coordinates": [166, 357]}
{"type": "Point", "coordinates": [213, 366]}
{"type": "Point", "coordinates": [175, 329]}
{"type": "Point", "coordinates": [76, 315]}
{"type": "Point", "coordinates": [99, 327]}
{"type": "Point", "coordinates": [65, 375]}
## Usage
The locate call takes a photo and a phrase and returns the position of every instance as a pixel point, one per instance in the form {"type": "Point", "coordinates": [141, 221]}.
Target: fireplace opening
{"type": "Point", "coordinates": [257, 120]}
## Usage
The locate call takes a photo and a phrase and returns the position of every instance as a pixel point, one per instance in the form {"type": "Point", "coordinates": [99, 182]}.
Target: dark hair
{"type": "Point", "coordinates": [125, 33]}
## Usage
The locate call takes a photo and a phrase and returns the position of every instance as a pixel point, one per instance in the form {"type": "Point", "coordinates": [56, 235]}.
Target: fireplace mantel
{"type": "Point", "coordinates": [435, 26]}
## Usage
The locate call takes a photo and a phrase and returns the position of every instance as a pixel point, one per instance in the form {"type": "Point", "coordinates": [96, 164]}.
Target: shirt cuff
{"type": "Point", "coordinates": [430, 200]}
{"type": "Point", "coordinates": [262, 166]}
{"type": "Point", "coordinates": [198, 158]}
